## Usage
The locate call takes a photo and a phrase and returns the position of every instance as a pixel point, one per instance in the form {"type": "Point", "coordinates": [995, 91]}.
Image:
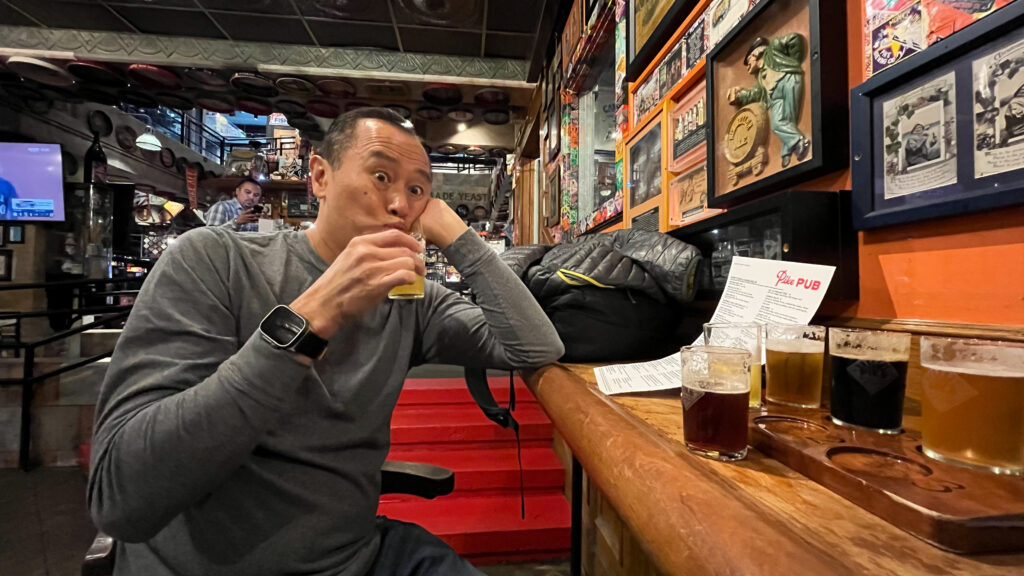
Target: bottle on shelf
{"type": "Point", "coordinates": [95, 169]}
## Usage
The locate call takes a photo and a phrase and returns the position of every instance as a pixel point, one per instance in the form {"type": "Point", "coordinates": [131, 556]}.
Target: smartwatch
{"type": "Point", "coordinates": [286, 329]}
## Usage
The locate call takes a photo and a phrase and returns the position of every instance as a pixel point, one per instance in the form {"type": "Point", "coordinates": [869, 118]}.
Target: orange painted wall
{"type": "Point", "coordinates": [966, 269]}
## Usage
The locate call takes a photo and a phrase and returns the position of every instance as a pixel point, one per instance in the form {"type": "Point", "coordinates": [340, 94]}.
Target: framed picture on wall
{"type": "Point", "coordinates": [3, 235]}
{"type": "Point", "coordinates": [649, 25]}
{"type": "Point", "coordinates": [942, 133]}
{"type": "Point", "coordinates": [553, 199]}
{"type": "Point", "coordinates": [15, 234]}
{"type": "Point", "coordinates": [6, 265]}
{"type": "Point", "coordinates": [687, 122]}
{"type": "Point", "coordinates": [777, 99]}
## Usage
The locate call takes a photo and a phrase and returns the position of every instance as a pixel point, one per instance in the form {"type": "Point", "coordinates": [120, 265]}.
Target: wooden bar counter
{"type": "Point", "coordinates": [695, 516]}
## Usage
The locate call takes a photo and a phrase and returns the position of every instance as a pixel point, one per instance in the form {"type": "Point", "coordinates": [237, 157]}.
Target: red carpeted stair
{"type": "Point", "coordinates": [437, 422]}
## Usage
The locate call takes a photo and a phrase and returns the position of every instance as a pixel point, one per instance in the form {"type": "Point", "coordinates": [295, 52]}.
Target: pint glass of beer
{"type": "Point", "coordinates": [715, 394]}
{"type": "Point", "coordinates": [869, 378]}
{"type": "Point", "coordinates": [747, 336]}
{"type": "Point", "coordinates": [794, 355]}
{"type": "Point", "coordinates": [414, 290]}
{"type": "Point", "coordinates": [972, 403]}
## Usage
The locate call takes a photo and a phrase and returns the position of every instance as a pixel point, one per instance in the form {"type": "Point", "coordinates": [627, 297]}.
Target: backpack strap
{"type": "Point", "coordinates": [476, 381]}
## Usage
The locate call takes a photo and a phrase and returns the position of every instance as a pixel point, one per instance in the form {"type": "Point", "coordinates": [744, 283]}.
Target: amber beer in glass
{"type": "Point", "coordinates": [972, 403]}
{"type": "Point", "coordinates": [746, 335]}
{"type": "Point", "coordinates": [794, 355]}
{"type": "Point", "coordinates": [715, 394]}
{"type": "Point", "coordinates": [869, 378]}
{"type": "Point", "coordinates": [414, 290]}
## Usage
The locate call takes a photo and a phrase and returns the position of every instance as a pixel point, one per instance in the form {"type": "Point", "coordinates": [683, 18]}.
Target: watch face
{"type": "Point", "coordinates": [283, 326]}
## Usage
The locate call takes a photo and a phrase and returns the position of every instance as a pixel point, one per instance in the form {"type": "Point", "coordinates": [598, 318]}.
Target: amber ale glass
{"type": "Point", "coordinates": [869, 378]}
{"type": "Point", "coordinates": [746, 335]}
{"type": "Point", "coordinates": [715, 393]}
{"type": "Point", "coordinates": [972, 403]}
{"type": "Point", "coordinates": [414, 290]}
{"type": "Point", "coordinates": [794, 355]}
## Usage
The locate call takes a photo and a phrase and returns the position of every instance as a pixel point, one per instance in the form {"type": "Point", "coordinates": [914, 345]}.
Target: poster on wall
{"type": "Point", "coordinates": [723, 16]}
{"type": "Point", "coordinates": [688, 194]}
{"type": "Point", "coordinates": [646, 97]}
{"type": "Point", "coordinates": [944, 17]}
{"type": "Point", "coordinates": [646, 15]}
{"type": "Point", "coordinates": [696, 40]}
{"type": "Point", "coordinates": [999, 111]}
{"type": "Point", "coordinates": [897, 38]}
{"type": "Point", "coordinates": [920, 142]}
{"type": "Point", "coordinates": [689, 127]}
{"type": "Point", "coordinates": [671, 69]}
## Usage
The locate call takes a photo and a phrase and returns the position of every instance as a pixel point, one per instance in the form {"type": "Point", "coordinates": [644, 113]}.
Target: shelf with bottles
{"type": "Point", "coordinates": [795, 225]}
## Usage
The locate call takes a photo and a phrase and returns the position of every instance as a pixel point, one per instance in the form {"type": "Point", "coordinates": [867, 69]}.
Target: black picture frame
{"type": "Point", "coordinates": [827, 57]}
{"type": "Point", "coordinates": [638, 58]}
{"type": "Point", "coordinates": [6, 265]}
{"type": "Point", "coordinates": [14, 234]}
{"type": "Point", "coordinates": [554, 198]}
{"type": "Point", "coordinates": [953, 55]}
{"type": "Point", "coordinates": [3, 235]}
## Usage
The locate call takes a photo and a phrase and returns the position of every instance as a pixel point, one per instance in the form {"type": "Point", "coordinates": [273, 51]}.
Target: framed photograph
{"type": "Point", "coordinates": [671, 69]}
{"type": "Point", "coordinates": [696, 40]}
{"type": "Point", "coordinates": [644, 164]}
{"type": "Point", "coordinates": [775, 87]}
{"type": "Point", "coordinates": [649, 25]}
{"type": "Point", "coordinates": [942, 133]}
{"type": "Point", "coordinates": [554, 122]}
{"type": "Point", "coordinates": [723, 15]}
{"type": "Point", "coordinates": [6, 265]}
{"type": "Point", "coordinates": [647, 96]}
{"type": "Point", "coordinates": [571, 34]}
{"type": "Point", "coordinates": [553, 200]}
{"type": "Point", "coordinates": [15, 234]}
{"type": "Point", "coordinates": [687, 121]}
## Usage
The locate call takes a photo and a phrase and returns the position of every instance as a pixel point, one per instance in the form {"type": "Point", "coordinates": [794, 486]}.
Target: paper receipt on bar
{"type": "Point", "coordinates": [757, 291]}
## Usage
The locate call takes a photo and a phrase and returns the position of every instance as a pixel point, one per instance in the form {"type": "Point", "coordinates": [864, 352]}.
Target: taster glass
{"type": "Point", "coordinates": [414, 290]}
{"type": "Point", "coordinates": [715, 392]}
{"type": "Point", "coordinates": [747, 336]}
{"type": "Point", "coordinates": [972, 403]}
{"type": "Point", "coordinates": [794, 354]}
{"type": "Point", "coordinates": [869, 378]}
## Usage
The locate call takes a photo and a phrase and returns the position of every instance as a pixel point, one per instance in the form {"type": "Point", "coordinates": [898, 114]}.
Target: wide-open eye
{"type": "Point", "coordinates": [417, 191]}
{"type": "Point", "coordinates": [382, 176]}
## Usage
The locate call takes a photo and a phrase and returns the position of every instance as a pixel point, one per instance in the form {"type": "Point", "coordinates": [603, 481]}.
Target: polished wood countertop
{"type": "Point", "coordinates": [696, 516]}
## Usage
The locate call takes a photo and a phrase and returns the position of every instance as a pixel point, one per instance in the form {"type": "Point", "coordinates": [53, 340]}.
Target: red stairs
{"type": "Point", "coordinates": [437, 422]}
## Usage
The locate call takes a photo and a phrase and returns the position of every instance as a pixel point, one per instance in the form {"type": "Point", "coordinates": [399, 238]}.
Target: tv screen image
{"type": "Point", "coordinates": [31, 182]}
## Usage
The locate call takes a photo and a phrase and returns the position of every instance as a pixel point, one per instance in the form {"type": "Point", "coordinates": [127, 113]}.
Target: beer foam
{"type": "Point", "coordinates": [718, 387]}
{"type": "Point", "coordinates": [977, 368]}
{"type": "Point", "coordinates": [976, 357]}
{"type": "Point", "coordinates": [801, 346]}
{"type": "Point", "coordinates": [873, 355]}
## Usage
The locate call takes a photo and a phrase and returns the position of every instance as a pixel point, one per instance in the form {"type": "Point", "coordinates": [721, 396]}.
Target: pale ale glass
{"type": "Point", "coordinates": [972, 403]}
{"type": "Point", "coordinates": [869, 378]}
{"type": "Point", "coordinates": [747, 336]}
{"type": "Point", "coordinates": [715, 392]}
{"type": "Point", "coordinates": [794, 355]}
{"type": "Point", "coordinates": [414, 290]}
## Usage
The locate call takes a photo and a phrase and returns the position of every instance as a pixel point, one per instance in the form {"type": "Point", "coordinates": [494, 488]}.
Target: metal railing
{"type": "Point", "coordinates": [29, 379]}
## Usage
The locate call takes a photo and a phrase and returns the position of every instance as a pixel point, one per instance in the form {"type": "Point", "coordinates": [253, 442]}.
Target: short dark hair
{"type": "Point", "coordinates": [249, 179]}
{"type": "Point", "coordinates": [340, 135]}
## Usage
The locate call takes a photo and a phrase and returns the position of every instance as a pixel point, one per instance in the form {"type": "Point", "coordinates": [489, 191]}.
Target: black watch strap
{"type": "Point", "coordinates": [310, 345]}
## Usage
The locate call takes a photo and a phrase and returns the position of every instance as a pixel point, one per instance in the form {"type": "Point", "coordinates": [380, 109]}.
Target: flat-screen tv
{"type": "Point", "coordinates": [31, 182]}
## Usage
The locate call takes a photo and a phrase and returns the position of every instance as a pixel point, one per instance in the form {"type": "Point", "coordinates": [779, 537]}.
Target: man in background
{"type": "Point", "coordinates": [237, 213]}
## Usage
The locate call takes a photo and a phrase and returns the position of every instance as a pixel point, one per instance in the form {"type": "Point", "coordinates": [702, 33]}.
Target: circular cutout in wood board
{"type": "Point", "coordinates": [290, 107]}
{"type": "Point", "coordinates": [99, 123]}
{"type": "Point", "coordinates": [125, 136]}
{"type": "Point", "coordinates": [98, 96]}
{"type": "Point", "coordinates": [474, 151]}
{"type": "Point", "coordinates": [491, 97]}
{"type": "Point", "coordinates": [167, 157]}
{"type": "Point", "coordinates": [175, 100]}
{"type": "Point", "coordinates": [97, 73]}
{"type": "Point", "coordinates": [337, 88]}
{"type": "Point", "coordinates": [449, 149]}
{"type": "Point", "coordinates": [496, 117]}
{"type": "Point", "coordinates": [440, 94]}
{"type": "Point", "coordinates": [137, 98]}
{"type": "Point", "coordinates": [295, 85]}
{"type": "Point", "coordinates": [402, 111]}
{"type": "Point", "coordinates": [206, 77]}
{"type": "Point", "coordinates": [40, 70]}
{"type": "Point", "coordinates": [254, 84]}
{"type": "Point", "coordinates": [153, 77]}
{"type": "Point", "coordinates": [323, 108]}
{"type": "Point", "coordinates": [70, 163]}
{"type": "Point", "coordinates": [461, 114]}
{"type": "Point", "coordinates": [220, 103]}
{"type": "Point", "coordinates": [429, 113]}
{"type": "Point", "coordinates": [254, 106]}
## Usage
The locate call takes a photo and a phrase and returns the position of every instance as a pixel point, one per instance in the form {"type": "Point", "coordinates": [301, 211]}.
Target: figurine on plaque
{"type": "Point", "coordinates": [777, 67]}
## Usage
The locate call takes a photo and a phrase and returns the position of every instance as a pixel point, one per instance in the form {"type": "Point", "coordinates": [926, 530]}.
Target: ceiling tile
{"type": "Point", "coordinates": [363, 10]}
{"type": "Point", "coordinates": [466, 14]}
{"type": "Point", "coordinates": [263, 28]}
{"type": "Point", "coordinates": [440, 41]}
{"type": "Point", "coordinates": [251, 6]}
{"type": "Point", "coordinates": [518, 16]}
{"type": "Point", "coordinates": [169, 22]}
{"type": "Point", "coordinates": [355, 35]}
{"type": "Point", "coordinates": [12, 17]}
{"type": "Point", "coordinates": [63, 14]}
{"type": "Point", "coordinates": [517, 46]}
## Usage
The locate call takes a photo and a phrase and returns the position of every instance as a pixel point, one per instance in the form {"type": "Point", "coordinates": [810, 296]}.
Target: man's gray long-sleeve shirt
{"type": "Point", "coordinates": [217, 454]}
